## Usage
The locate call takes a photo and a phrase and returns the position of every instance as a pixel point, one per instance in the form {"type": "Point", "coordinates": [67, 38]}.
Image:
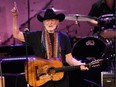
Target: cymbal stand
{"type": "Point", "coordinates": [109, 54]}
{"type": "Point", "coordinates": [77, 22]}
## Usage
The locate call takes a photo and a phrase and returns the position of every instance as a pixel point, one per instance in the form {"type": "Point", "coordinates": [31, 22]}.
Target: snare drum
{"type": "Point", "coordinates": [89, 48]}
{"type": "Point", "coordinates": [107, 25]}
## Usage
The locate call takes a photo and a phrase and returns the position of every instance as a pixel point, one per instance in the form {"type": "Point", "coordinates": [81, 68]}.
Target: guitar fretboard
{"type": "Point", "coordinates": [67, 68]}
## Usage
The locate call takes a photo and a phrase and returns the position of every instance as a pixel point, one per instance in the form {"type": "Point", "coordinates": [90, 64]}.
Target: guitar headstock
{"type": "Point", "coordinates": [95, 63]}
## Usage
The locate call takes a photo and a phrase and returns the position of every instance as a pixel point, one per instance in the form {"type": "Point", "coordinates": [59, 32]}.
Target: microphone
{"type": "Point", "coordinates": [26, 30]}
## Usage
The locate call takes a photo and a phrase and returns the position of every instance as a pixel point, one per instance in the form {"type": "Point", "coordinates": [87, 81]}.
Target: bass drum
{"type": "Point", "coordinates": [89, 48]}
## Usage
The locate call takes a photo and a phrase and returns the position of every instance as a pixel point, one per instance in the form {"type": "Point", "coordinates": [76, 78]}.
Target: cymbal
{"type": "Point", "coordinates": [58, 10]}
{"type": "Point", "coordinates": [55, 10]}
{"type": "Point", "coordinates": [77, 17]}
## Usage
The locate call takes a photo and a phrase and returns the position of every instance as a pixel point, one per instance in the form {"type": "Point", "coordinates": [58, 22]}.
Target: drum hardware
{"type": "Point", "coordinates": [109, 41]}
{"type": "Point", "coordinates": [109, 55]}
{"type": "Point", "coordinates": [67, 27]}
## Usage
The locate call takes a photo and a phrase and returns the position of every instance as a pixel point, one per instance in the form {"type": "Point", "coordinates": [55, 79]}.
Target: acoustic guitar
{"type": "Point", "coordinates": [39, 71]}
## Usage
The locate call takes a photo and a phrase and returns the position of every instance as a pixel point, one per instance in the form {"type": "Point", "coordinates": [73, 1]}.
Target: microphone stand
{"type": "Point", "coordinates": [28, 14]}
{"type": "Point", "coordinates": [26, 48]}
{"type": "Point", "coordinates": [26, 31]}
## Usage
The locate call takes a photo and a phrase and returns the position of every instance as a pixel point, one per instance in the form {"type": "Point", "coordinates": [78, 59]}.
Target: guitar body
{"type": "Point", "coordinates": [39, 71]}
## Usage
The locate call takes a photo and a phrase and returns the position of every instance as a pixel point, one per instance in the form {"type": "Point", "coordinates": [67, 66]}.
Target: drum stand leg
{"type": "Point", "coordinates": [111, 57]}
{"type": "Point", "coordinates": [93, 84]}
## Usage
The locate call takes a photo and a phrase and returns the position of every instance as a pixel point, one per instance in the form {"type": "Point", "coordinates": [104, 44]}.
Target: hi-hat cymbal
{"type": "Point", "coordinates": [77, 17]}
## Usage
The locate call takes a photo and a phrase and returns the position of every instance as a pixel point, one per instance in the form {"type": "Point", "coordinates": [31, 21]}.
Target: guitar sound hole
{"type": "Point", "coordinates": [51, 71]}
{"type": "Point", "coordinates": [42, 74]}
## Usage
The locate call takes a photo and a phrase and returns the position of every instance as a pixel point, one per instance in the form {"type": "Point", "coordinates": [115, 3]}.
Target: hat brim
{"type": "Point", "coordinates": [59, 17]}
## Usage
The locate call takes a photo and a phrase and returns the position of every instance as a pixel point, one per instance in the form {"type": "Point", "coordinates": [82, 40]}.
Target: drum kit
{"type": "Point", "coordinates": [93, 47]}
{"type": "Point", "coordinates": [101, 45]}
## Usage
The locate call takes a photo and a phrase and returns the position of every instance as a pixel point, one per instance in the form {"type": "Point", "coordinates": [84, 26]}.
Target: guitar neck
{"type": "Point", "coordinates": [92, 64]}
{"type": "Point", "coordinates": [67, 68]}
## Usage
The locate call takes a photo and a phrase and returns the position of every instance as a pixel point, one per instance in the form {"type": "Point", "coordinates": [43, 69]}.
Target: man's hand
{"type": "Point", "coordinates": [82, 67]}
{"type": "Point", "coordinates": [14, 10]}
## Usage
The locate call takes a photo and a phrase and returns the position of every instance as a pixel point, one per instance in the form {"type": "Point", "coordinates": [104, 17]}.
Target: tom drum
{"type": "Point", "coordinates": [107, 25]}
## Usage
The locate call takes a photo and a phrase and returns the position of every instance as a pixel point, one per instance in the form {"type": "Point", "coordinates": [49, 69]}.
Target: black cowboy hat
{"type": "Point", "coordinates": [50, 14]}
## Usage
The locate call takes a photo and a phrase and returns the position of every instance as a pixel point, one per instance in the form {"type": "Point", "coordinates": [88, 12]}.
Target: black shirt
{"type": "Point", "coordinates": [34, 39]}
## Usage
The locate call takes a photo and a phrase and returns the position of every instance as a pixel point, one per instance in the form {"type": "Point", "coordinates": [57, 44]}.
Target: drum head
{"type": "Point", "coordinates": [88, 48]}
